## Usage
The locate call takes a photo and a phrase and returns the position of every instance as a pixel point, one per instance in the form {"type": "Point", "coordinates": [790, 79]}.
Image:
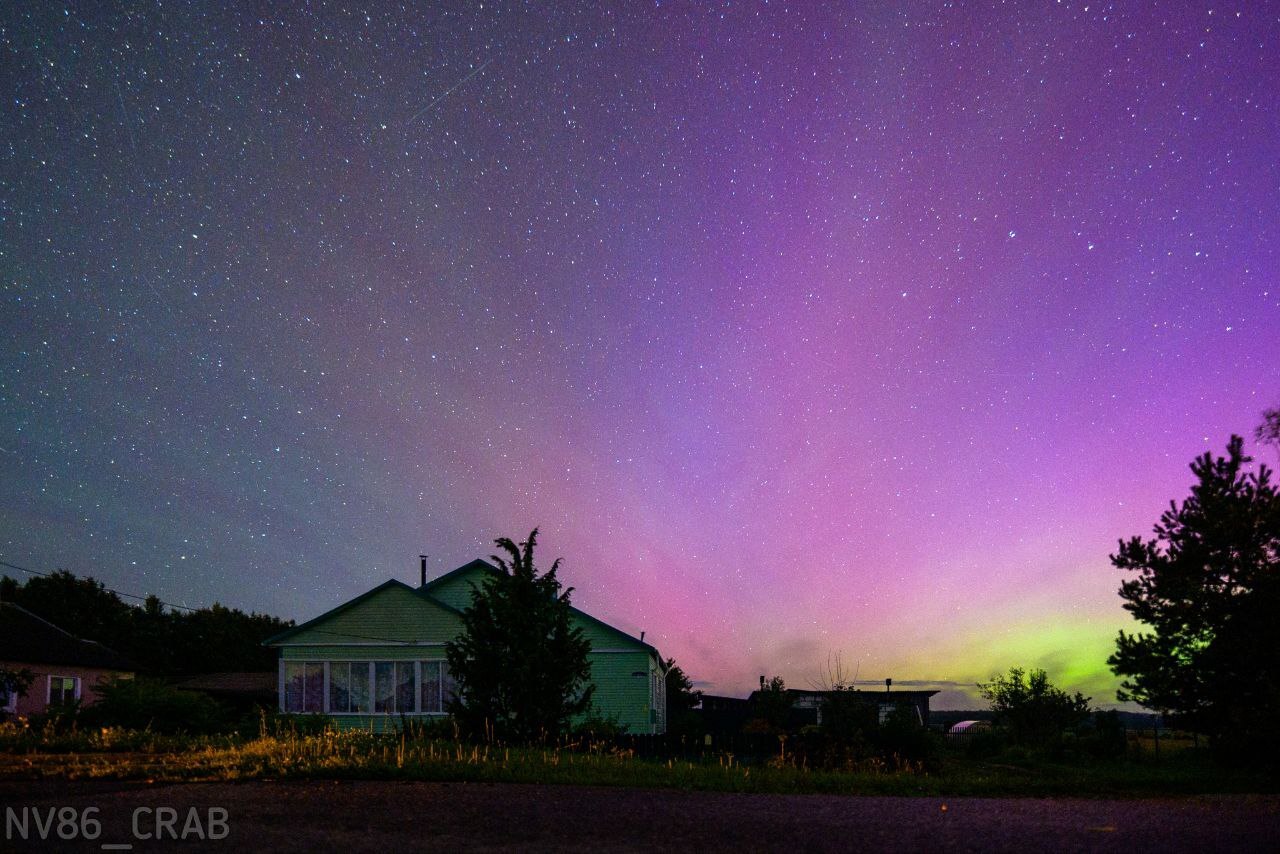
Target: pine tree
{"type": "Point", "coordinates": [1208, 587]}
{"type": "Point", "coordinates": [520, 663]}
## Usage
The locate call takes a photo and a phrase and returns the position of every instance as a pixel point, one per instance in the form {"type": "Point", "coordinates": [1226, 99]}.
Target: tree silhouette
{"type": "Point", "coordinates": [682, 699]}
{"type": "Point", "coordinates": [520, 664]}
{"type": "Point", "coordinates": [1268, 432]}
{"type": "Point", "coordinates": [1033, 709]}
{"type": "Point", "coordinates": [1208, 587]}
{"type": "Point", "coordinates": [162, 642]}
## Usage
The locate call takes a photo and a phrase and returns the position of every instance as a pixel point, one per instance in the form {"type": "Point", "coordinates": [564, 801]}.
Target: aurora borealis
{"type": "Point", "coordinates": [865, 329]}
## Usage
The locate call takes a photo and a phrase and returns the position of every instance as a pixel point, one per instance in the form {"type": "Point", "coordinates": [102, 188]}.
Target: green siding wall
{"type": "Point", "coordinates": [620, 694]}
{"type": "Point", "coordinates": [395, 615]}
{"type": "Point", "coordinates": [456, 592]}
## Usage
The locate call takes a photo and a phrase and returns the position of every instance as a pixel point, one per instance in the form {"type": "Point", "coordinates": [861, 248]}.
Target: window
{"type": "Point", "coordinates": [304, 686]}
{"type": "Point", "coordinates": [8, 700]}
{"type": "Point", "coordinates": [364, 687]}
{"type": "Point", "coordinates": [438, 686]}
{"type": "Point", "coordinates": [349, 687]}
{"type": "Point", "coordinates": [63, 690]}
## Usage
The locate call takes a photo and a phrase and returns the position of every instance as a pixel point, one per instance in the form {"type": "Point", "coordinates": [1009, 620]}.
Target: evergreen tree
{"type": "Point", "coordinates": [682, 699]}
{"type": "Point", "coordinates": [1208, 588]}
{"type": "Point", "coordinates": [520, 664]}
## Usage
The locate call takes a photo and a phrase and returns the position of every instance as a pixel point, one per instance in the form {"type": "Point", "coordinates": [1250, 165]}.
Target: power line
{"type": "Point", "coordinates": [108, 589]}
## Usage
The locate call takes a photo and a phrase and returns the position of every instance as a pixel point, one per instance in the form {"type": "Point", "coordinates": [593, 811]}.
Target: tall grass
{"type": "Point", "coordinates": [285, 753]}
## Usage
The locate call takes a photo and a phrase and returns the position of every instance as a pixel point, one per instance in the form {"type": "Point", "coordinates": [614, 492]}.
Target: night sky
{"type": "Point", "coordinates": [797, 331]}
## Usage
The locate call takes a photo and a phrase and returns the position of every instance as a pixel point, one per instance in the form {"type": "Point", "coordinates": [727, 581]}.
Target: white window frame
{"type": "Point", "coordinates": [373, 684]}
{"type": "Point", "coordinates": [11, 704]}
{"type": "Point", "coordinates": [48, 687]}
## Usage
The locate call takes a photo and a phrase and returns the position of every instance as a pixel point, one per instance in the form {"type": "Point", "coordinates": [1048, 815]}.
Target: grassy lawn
{"type": "Point", "coordinates": [129, 755]}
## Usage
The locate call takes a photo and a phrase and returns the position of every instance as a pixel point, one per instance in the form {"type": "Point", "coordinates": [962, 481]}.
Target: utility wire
{"type": "Point", "coordinates": [108, 589]}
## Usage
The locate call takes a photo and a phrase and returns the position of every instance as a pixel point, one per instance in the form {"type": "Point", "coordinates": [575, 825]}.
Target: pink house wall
{"type": "Point", "coordinates": [37, 696]}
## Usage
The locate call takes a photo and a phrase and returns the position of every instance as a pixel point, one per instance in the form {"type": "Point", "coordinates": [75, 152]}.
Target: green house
{"type": "Point", "coordinates": [379, 657]}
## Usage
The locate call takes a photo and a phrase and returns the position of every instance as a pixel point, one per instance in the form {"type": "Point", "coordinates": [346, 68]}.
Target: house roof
{"type": "Point", "coordinates": [476, 565]}
{"type": "Point", "coordinates": [869, 696]}
{"type": "Point", "coordinates": [26, 638]}
{"type": "Point", "coordinates": [389, 584]}
{"type": "Point", "coordinates": [485, 566]}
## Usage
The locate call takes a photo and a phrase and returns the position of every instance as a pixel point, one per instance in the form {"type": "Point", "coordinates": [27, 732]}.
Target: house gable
{"type": "Point", "coordinates": [390, 614]}
{"type": "Point", "coordinates": [454, 590]}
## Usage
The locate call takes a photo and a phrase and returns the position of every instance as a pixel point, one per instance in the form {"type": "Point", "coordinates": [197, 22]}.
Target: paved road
{"type": "Point", "coordinates": [367, 816]}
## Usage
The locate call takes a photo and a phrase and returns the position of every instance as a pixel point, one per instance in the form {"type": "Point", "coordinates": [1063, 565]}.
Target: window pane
{"type": "Point", "coordinates": [313, 692]}
{"type": "Point", "coordinates": [406, 687]}
{"type": "Point", "coordinates": [430, 686]}
{"type": "Point", "coordinates": [360, 686]}
{"type": "Point", "coordinates": [384, 689]}
{"type": "Point", "coordinates": [339, 686]}
{"type": "Point", "coordinates": [293, 671]}
{"type": "Point", "coordinates": [449, 687]}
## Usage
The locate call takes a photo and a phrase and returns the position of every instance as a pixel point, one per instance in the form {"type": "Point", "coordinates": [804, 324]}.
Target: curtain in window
{"type": "Point", "coordinates": [406, 686]}
{"type": "Point", "coordinates": [293, 683]}
{"type": "Point", "coordinates": [313, 691]}
{"type": "Point", "coordinates": [430, 686]}
{"type": "Point", "coordinates": [384, 688]}
{"type": "Point", "coordinates": [448, 687]}
{"type": "Point", "coordinates": [360, 686]}
{"type": "Point", "coordinates": [339, 686]}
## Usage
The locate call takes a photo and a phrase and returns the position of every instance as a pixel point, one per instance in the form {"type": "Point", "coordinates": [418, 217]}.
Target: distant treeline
{"type": "Point", "coordinates": [161, 641]}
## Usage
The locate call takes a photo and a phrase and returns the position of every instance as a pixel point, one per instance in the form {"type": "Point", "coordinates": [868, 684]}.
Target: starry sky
{"type": "Point", "coordinates": [864, 329]}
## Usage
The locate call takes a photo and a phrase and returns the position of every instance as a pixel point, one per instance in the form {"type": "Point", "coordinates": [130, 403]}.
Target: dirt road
{"type": "Point", "coordinates": [383, 816]}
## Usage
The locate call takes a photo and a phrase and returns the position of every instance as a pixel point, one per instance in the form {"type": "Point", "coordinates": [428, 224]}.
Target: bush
{"type": "Point", "coordinates": [148, 704]}
{"type": "Point", "coordinates": [597, 726]}
{"type": "Point", "coordinates": [1104, 736]}
{"type": "Point", "coordinates": [901, 735]}
{"type": "Point", "coordinates": [985, 744]}
{"type": "Point", "coordinates": [1033, 711]}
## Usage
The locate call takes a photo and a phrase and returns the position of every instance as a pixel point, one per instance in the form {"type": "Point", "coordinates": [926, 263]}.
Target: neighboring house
{"type": "Point", "coordinates": [381, 655]}
{"type": "Point", "coordinates": [807, 705]}
{"type": "Point", "coordinates": [728, 715]}
{"type": "Point", "coordinates": [66, 668]}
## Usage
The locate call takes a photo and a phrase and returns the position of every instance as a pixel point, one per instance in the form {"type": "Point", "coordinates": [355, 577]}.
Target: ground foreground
{"type": "Point", "coordinates": [377, 815]}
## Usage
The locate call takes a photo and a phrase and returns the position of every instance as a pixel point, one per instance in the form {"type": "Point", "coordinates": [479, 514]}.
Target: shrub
{"type": "Point", "coordinates": [1104, 735]}
{"type": "Point", "coordinates": [901, 735]}
{"type": "Point", "coordinates": [148, 704]}
{"type": "Point", "coordinates": [597, 726]}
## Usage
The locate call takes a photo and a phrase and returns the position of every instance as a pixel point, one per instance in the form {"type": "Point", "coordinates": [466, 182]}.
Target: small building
{"type": "Point", "coordinates": [380, 656]}
{"type": "Point", "coordinates": [805, 707]}
{"type": "Point", "coordinates": [66, 668]}
{"type": "Point", "coordinates": [727, 715]}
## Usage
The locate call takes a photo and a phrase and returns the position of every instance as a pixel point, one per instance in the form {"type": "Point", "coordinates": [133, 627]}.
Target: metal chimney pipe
{"type": "Point", "coordinates": [423, 579]}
